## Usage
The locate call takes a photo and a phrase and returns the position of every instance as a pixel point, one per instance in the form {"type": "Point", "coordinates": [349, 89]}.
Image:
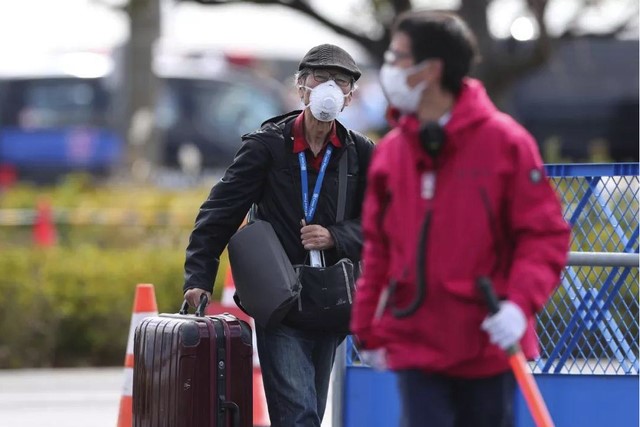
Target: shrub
{"type": "Point", "coordinates": [72, 307]}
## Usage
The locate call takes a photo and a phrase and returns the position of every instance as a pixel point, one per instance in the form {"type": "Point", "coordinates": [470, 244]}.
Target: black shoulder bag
{"type": "Point", "coordinates": [326, 293]}
{"type": "Point", "coordinates": [266, 283]}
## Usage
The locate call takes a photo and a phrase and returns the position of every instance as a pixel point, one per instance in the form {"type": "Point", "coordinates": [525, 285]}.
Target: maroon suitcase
{"type": "Point", "coordinates": [193, 371]}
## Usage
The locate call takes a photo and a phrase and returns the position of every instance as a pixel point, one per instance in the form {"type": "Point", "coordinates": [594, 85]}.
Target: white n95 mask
{"type": "Point", "coordinates": [393, 80]}
{"type": "Point", "coordinates": [326, 101]}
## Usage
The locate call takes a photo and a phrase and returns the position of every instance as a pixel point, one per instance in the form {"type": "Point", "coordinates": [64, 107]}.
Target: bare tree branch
{"type": "Point", "coordinates": [572, 28]}
{"type": "Point", "coordinates": [503, 62]}
{"type": "Point", "coordinates": [300, 6]}
{"type": "Point", "coordinates": [541, 50]}
{"type": "Point", "coordinates": [499, 67]}
{"type": "Point", "coordinates": [400, 6]}
{"type": "Point", "coordinates": [374, 46]}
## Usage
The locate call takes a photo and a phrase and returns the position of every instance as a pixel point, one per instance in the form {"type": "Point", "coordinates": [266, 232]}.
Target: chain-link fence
{"type": "Point", "coordinates": [590, 325]}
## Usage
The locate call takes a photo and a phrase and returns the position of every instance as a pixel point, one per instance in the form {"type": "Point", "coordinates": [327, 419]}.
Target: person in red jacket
{"type": "Point", "coordinates": [456, 191]}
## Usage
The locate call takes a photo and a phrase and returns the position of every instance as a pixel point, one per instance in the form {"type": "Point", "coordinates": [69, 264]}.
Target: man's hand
{"type": "Point", "coordinates": [316, 237]}
{"type": "Point", "coordinates": [506, 327]}
{"type": "Point", "coordinates": [192, 296]}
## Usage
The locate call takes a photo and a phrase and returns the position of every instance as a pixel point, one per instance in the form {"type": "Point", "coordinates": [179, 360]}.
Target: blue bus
{"type": "Point", "coordinates": [55, 123]}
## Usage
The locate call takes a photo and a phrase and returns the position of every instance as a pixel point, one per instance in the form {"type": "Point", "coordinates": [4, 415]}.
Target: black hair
{"type": "Point", "coordinates": [442, 35]}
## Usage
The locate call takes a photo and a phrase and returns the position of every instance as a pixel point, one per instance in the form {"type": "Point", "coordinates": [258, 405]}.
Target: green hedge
{"type": "Point", "coordinates": [72, 307]}
{"type": "Point", "coordinates": [77, 191]}
{"type": "Point", "coordinates": [77, 196]}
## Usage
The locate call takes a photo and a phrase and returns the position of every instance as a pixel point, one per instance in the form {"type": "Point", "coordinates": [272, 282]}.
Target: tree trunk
{"type": "Point", "coordinates": [141, 86]}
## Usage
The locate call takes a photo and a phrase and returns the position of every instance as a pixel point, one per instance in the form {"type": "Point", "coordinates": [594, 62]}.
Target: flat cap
{"type": "Point", "coordinates": [330, 56]}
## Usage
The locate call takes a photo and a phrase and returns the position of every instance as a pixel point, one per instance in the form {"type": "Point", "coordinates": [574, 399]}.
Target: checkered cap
{"type": "Point", "coordinates": [330, 56]}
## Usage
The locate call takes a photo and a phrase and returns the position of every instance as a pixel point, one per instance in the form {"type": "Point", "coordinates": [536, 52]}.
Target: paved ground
{"type": "Point", "coordinates": [64, 398]}
{"type": "Point", "coordinates": [60, 397]}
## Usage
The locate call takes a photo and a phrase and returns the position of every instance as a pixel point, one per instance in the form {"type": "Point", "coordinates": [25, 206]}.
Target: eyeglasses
{"type": "Point", "coordinates": [392, 56]}
{"type": "Point", "coordinates": [343, 80]}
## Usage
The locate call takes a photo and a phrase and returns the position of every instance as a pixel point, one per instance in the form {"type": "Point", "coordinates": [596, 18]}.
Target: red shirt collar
{"type": "Point", "coordinates": [299, 141]}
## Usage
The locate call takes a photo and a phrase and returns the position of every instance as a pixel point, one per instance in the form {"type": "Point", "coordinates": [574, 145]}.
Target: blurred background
{"type": "Point", "coordinates": [116, 118]}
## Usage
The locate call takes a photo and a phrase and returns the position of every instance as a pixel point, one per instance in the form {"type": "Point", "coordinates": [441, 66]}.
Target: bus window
{"type": "Point", "coordinates": [55, 103]}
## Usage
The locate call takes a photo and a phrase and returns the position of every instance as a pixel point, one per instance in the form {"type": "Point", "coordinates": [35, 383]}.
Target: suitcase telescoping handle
{"type": "Point", "coordinates": [235, 412]}
{"type": "Point", "coordinates": [199, 310]}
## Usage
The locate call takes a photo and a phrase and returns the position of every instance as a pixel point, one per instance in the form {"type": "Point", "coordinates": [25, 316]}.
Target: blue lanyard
{"type": "Point", "coordinates": [310, 209]}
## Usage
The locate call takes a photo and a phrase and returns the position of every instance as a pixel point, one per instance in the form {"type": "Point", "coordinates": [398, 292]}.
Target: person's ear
{"type": "Point", "coordinates": [302, 93]}
{"type": "Point", "coordinates": [435, 69]}
{"type": "Point", "coordinates": [423, 74]}
{"type": "Point", "coordinates": [347, 99]}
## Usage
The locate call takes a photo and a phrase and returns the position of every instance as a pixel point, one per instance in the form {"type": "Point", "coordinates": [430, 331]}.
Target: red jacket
{"type": "Point", "coordinates": [493, 213]}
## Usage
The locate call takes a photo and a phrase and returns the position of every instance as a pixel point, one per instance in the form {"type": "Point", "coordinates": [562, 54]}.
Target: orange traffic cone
{"type": "Point", "coordinates": [228, 290]}
{"type": "Point", "coordinates": [144, 305]}
{"type": "Point", "coordinates": [260, 411]}
{"type": "Point", "coordinates": [8, 176]}
{"type": "Point", "coordinates": [44, 229]}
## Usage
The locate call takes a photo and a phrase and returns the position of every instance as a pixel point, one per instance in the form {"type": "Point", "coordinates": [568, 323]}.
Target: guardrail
{"type": "Point", "coordinates": [102, 216]}
{"type": "Point", "coordinates": [591, 323]}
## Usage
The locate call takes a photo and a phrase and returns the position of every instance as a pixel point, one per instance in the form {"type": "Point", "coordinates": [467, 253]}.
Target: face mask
{"type": "Point", "coordinates": [326, 101]}
{"type": "Point", "coordinates": [394, 85]}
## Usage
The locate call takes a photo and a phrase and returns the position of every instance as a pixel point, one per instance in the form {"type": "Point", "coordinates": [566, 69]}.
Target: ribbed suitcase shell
{"type": "Point", "coordinates": [192, 371]}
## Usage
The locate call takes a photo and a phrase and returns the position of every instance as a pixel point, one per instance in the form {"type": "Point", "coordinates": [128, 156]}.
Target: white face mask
{"type": "Point", "coordinates": [326, 101]}
{"type": "Point", "coordinates": [394, 85]}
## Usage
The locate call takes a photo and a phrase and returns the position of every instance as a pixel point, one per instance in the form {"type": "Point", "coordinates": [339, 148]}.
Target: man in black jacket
{"type": "Point", "coordinates": [268, 170]}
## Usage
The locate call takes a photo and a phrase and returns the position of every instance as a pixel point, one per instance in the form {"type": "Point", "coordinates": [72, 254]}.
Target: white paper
{"type": "Point", "coordinates": [428, 185]}
{"type": "Point", "coordinates": [314, 259]}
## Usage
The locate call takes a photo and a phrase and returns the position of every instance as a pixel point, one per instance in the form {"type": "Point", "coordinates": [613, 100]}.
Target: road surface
{"type": "Point", "coordinates": [60, 397]}
{"type": "Point", "coordinates": [65, 397]}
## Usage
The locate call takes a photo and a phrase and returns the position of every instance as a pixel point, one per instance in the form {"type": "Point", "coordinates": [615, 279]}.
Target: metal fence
{"type": "Point", "coordinates": [590, 325]}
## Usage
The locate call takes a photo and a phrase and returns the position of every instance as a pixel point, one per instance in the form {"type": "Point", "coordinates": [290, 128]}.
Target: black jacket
{"type": "Point", "coordinates": [265, 171]}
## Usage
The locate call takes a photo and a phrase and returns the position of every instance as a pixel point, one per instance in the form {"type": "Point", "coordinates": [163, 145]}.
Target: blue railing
{"type": "Point", "coordinates": [591, 323]}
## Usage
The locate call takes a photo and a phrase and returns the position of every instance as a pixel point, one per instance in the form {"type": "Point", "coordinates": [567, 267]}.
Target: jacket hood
{"type": "Point", "coordinates": [472, 106]}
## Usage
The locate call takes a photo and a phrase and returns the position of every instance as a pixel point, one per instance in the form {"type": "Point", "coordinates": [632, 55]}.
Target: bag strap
{"type": "Point", "coordinates": [251, 216]}
{"type": "Point", "coordinates": [342, 186]}
{"type": "Point", "coordinates": [342, 191]}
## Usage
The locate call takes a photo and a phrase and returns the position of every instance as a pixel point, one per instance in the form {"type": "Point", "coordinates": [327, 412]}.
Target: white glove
{"type": "Point", "coordinates": [377, 359]}
{"type": "Point", "coordinates": [506, 327]}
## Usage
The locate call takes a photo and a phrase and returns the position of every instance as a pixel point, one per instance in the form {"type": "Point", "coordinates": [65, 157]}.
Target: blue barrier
{"type": "Point", "coordinates": [572, 400]}
{"type": "Point", "coordinates": [588, 369]}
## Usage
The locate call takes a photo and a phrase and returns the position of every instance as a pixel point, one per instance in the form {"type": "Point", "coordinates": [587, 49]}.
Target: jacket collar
{"type": "Point", "coordinates": [471, 106]}
{"type": "Point", "coordinates": [285, 124]}
{"type": "Point", "coordinates": [300, 143]}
